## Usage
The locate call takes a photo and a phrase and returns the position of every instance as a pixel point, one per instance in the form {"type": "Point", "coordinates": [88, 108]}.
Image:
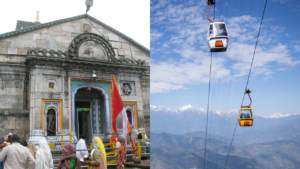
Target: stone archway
{"type": "Point", "coordinates": [108, 128]}
{"type": "Point", "coordinates": [85, 37]}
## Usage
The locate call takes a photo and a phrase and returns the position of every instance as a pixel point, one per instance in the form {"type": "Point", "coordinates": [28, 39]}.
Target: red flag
{"type": "Point", "coordinates": [117, 104]}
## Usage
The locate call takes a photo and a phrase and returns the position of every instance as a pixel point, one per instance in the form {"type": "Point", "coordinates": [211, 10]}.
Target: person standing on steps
{"type": "Point", "coordinates": [81, 146]}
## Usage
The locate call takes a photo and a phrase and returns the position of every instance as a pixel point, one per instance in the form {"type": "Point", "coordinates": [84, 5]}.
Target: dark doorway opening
{"type": "Point", "coordinates": [83, 119]}
{"type": "Point", "coordinates": [129, 116]}
{"type": "Point", "coordinates": [51, 123]}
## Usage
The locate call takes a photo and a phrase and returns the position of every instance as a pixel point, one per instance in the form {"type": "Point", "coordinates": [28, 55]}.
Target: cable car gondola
{"type": "Point", "coordinates": [217, 36]}
{"type": "Point", "coordinates": [246, 115]}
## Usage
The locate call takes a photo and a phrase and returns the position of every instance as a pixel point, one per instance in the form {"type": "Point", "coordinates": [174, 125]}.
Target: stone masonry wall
{"type": "Point", "coordinates": [12, 82]}
{"type": "Point", "coordinates": [145, 88]}
{"type": "Point", "coordinates": [59, 37]}
{"type": "Point", "coordinates": [15, 125]}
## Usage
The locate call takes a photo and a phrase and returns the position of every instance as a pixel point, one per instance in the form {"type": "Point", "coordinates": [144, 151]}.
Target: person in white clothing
{"type": "Point", "coordinates": [81, 146]}
{"type": "Point", "coordinates": [43, 156]}
{"type": "Point", "coordinates": [16, 156]}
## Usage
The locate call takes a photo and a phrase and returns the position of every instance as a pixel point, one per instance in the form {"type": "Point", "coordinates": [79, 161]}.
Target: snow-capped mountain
{"type": "Point", "coordinates": [189, 119]}
{"type": "Point", "coordinates": [178, 110]}
{"type": "Point", "coordinates": [278, 115]}
{"type": "Point", "coordinates": [189, 108]}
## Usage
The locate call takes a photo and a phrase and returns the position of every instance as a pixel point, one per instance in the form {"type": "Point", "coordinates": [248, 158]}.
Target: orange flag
{"type": "Point", "coordinates": [117, 104]}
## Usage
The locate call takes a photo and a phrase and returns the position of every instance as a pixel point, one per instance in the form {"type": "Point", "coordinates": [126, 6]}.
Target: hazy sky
{"type": "Point", "coordinates": [180, 56]}
{"type": "Point", "coordinates": [131, 17]}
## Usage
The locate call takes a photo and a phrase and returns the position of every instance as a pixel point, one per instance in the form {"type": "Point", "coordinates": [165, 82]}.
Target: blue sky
{"type": "Point", "coordinates": [180, 55]}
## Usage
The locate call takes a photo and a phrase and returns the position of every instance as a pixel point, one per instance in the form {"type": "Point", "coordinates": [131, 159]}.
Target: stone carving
{"type": "Point", "coordinates": [73, 54]}
{"type": "Point", "coordinates": [88, 51]}
{"type": "Point", "coordinates": [51, 85]}
{"type": "Point", "coordinates": [51, 123]}
{"type": "Point", "coordinates": [127, 61]}
{"type": "Point", "coordinates": [90, 37]}
{"type": "Point", "coordinates": [86, 28]}
{"type": "Point", "coordinates": [126, 88]}
{"type": "Point", "coordinates": [46, 53]}
{"type": "Point", "coordinates": [92, 50]}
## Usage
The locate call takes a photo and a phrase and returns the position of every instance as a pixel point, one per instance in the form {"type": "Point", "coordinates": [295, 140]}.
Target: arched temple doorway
{"type": "Point", "coordinates": [90, 111]}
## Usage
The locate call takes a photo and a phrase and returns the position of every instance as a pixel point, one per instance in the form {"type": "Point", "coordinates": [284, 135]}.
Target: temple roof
{"type": "Point", "coordinates": [25, 24]}
{"type": "Point", "coordinates": [39, 26]}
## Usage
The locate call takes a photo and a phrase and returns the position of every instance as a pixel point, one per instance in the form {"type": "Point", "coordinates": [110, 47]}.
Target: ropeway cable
{"type": "Point", "coordinates": [208, 94]}
{"type": "Point", "coordinates": [207, 107]}
{"type": "Point", "coordinates": [248, 78]}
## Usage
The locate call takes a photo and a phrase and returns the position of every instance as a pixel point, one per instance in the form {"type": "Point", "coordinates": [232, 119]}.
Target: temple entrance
{"type": "Point", "coordinates": [83, 119]}
{"type": "Point", "coordinates": [89, 115]}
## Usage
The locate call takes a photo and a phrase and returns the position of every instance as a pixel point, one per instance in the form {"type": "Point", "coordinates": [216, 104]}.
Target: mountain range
{"type": "Point", "coordinates": [178, 140]}
{"type": "Point", "coordinates": [189, 119]}
{"type": "Point", "coordinates": [187, 151]}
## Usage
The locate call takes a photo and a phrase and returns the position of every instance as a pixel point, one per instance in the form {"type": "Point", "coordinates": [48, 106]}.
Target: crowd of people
{"type": "Point", "coordinates": [14, 155]}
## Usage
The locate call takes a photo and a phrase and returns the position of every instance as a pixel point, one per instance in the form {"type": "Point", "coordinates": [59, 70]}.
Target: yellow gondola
{"type": "Point", "coordinates": [246, 116]}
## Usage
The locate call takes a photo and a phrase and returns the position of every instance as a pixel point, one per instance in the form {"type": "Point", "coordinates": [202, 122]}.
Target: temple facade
{"type": "Point", "coordinates": [56, 78]}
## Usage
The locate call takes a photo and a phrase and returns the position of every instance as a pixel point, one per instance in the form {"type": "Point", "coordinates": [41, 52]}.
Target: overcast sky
{"type": "Point", "coordinates": [180, 56]}
{"type": "Point", "coordinates": [131, 17]}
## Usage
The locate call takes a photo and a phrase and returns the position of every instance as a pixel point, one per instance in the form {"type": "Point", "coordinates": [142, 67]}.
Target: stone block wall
{"type": "Point", "coordinates": [13, 95]}
{"type": "Point", "coordinates": [12, 82]}
{"type": "Point", "coordinates": [59, 37]}
{"type": "Point", "coordinates": [15, 125]}
{"type": "Point", "coordinates": [145, 88]}
{"type": "Point", "coordinates": [39, 90]}
{"type": "Point", "coordinates": [141, 96]}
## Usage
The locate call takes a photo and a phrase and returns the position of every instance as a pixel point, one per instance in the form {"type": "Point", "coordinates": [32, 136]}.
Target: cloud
{"type": "Point", "coordinates": [163, 87]}
{"type": "Point", "coordinates": [183, 32]}
{"type": "Point", "coordinates": [264, 58]}
{"type": "Point", "coordinates": [187, 72]}
{"type": "Point", "coordinates": [267, 78]}
{"type": "Point", "coordinates": [159, 4]}
{"type": "Point", "coordinates": [282, 69]}
{"type": "Point", "coordinates": [293, 4]}
{"type": "Point", "coordinates": [296, 48]}
{"type": "Point", "coordinates": [155, 35]}
{"type": "Point", "coordinates": [278, 29]}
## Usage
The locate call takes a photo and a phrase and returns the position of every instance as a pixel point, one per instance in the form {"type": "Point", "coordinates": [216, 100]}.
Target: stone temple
{"type": "Point", "coordinates": [56, 78]}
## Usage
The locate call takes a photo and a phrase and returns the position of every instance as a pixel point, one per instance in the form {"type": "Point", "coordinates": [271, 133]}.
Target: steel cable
{"type": "Point", "coordinates": [229, 88]}
{"type": "Point", "coordinates": [208, 92]}
{"type": "Point", "coordinates": [248, 77]}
